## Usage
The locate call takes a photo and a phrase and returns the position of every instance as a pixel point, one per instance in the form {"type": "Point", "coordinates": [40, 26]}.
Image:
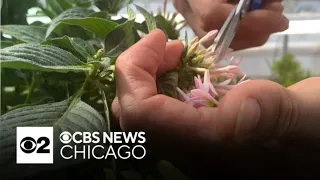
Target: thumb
{"type": "Point", "coordinates": [266, 110]}
{"type": "Point", "coordinates": [136, 68]}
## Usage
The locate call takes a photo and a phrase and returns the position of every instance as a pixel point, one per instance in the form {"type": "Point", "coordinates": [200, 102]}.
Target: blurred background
{"type": "Point", "coordinates": [287, 57]}
{"type": "Point", "coordinates": [298, 48]}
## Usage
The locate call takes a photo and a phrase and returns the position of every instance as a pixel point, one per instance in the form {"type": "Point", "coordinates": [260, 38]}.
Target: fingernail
{"type": "Point", "coordinates": [247, 119]}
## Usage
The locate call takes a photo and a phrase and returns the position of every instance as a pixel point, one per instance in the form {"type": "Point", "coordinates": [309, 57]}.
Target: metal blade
{"type": "Point", "coordinates": [229, 29]}
{"type": "Point", "coordinates": [227, 36]}
{"type": "Point", "coordinates": [218, 43]}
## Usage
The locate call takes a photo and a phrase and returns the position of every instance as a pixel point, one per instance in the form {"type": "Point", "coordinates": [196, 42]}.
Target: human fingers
{"type": "Point", "coordinates": [173, 51]}
{"type": "Point", "coordinates": [264, 110]}
{"type": "Point", "coordinates": [172, 56]}
{"type": "Point", "coordinates": [255, 28]}
{"type": "Point", "coordinates": [141, 108]}
{"type": "Point", "coordinates": [183, 7]}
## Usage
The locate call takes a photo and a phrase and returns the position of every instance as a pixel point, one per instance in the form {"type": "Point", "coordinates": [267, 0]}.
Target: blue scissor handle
{"type": "Point", "coordinates": [255, 5]}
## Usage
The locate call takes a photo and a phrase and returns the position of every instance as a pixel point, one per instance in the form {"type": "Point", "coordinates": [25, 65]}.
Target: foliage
{"type": "Point", "coordinates": [52, 72]}
{"type": "Point", "coordinates": [288, 71]}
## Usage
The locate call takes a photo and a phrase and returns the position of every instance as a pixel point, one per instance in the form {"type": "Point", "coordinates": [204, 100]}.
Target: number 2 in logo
{"type": "Point", "coordinates": [29, 145]}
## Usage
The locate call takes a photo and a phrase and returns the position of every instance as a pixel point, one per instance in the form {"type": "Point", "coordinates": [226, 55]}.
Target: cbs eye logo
{"type": "Point", "coordinates": [65, 137]}
{"type": "Point", "coordinates": [29, 145]}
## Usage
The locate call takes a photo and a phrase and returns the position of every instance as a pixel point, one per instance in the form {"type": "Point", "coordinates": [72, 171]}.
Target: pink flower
{"type": "Point", "coordinates": [224, 87]}
{"type": "Point", "coordinates": [231, 71]}
{"type": "Point", "coordinates": [203, 94]}
{"type": "Point", "coordinates": [209, 37]}
{"type": "Point", "coordinates": [204, 61]}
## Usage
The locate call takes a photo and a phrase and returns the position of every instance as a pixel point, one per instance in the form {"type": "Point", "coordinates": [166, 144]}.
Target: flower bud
{"type": "Point", "coordinates": [209, 37]}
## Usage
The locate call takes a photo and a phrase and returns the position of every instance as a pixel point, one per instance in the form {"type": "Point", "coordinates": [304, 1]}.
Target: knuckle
{"type": "Point", "coordinates": [285, 24]}
{"type": "Point", "coordinates": [115, 108]}
{"type": "Point", "coordinates": [203, 21]}
{"type": "Point", "coordinates": [207, 23]}
{"type": "Point", "coordinates": [133, 116]}
{"type": "Point", "coordinates": [179, 5]}
{"type": "Point", "coordinates": [259, 41]}
{"type": "Point", "coordinates": [128, 117]}
{"type": "Point", "coordinates": [287, 116]}
{"type": "Point", "coordinates": [122, 59]}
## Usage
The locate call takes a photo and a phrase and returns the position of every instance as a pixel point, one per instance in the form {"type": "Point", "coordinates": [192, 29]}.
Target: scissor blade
{"type": "Point", "coordinates": [221, 35]}
{"type": "Point", "coordinates": [228, 38]}
{"type": "Point", "coordinates": [228, 34]}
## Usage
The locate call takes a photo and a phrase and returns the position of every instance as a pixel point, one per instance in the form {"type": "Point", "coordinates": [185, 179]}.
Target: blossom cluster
{"type": "Point", "coordinates": [208, 87]}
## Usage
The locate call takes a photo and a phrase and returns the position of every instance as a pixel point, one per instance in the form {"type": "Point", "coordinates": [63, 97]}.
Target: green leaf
{"type": "Point", "coordinates": [100, 27]}
{"type": "Point", "coordinates": [75, 45]}
{"type": "Point", "coordinates": [50, 13]}
{"type": "Point", "coordinates": [40, 57]}
{"type": "Point", "coordinates": [82, 3]}
{"type": "Point", "coordinates": [149, 19]}
{"type": "Point", "coordinates": [121, 38]}
{"type": "Point", "coordinates": [25, 33]}
{"type": "Point", "coordinates": [55, 6]}
{"type": "Point", "coordinates": [167, 84]}
{"type": "Point", "coordinates": [112, 6]}
{"type": "Point", "coordinates": [186, 38]}
{"type": "Point", "coordinates": [83, 47]}
{"type": "Point", "coordinates": [5, 44]}
{"type": "Point", "coordinates": [167, 27]}
{"type": "Point", "coordinates": [64, 4]}
{"type": "Point", "coordinates": [101, 14]}
{"type": "Point", "coordinates": [73, 13]}
{"type": "Point", "coordinates": [68, 115]}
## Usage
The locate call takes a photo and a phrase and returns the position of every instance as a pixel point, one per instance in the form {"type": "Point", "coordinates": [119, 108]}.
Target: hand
{"type": "Point", "coordinates": [254, 30]}
{"type": "Point", "coordinates": [250, 115]}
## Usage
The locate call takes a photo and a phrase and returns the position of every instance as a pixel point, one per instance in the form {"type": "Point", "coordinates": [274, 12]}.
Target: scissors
{"type": "Point", "coordinates": [228, 30]}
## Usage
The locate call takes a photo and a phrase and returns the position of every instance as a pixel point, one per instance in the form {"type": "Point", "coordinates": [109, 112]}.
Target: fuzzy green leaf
{"type": "Point", "coordinates": [77, 46]}
{"type": "Point", "coordinates": [100, 14]}
{"type": "Point", "coordinates": [5, 44]}
{"type": "Point", "coordinates": [40, 57]}
{"type": "Point", "coordinates": [167, 27]}
{"type": "Point", "coordinates": [73, 13]}
{"type": "Point", "coordinates": [64, 4]}
{"type": "Point", "coordinates": [149, 19]}
{"type": "Point", "coordinates": [58, 5]}
{"type": "Point", "coordinates": [121, 38]}
{"type": "Point", "coordinates": [167, 84]}
{"type": "Point", "coordinates": [112, 6]}
{"type": "Point", "coordinates": [82, 3]}
{"type": "Point", "coordinates": [100, 27]}
{"type": "Point", "coordinates": [25, 33]}
{"type": "Point", "coordinates": [68, 115]}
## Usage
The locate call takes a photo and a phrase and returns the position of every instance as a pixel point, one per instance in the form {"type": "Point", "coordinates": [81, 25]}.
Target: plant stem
{"type": "Point", "coordinates": [106, 111]}
{"type": "Point", "coordinates": [82, 90]}
{"type": "Point", "coordinates": [35, 78]}
{"type": "Point", "coordinates": [106, 108]}
{"type": "Point", "coordinates": [86, 84]}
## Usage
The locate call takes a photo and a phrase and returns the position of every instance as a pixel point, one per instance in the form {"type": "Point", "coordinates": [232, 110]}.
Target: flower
{"type": "Point", "coordinates": [223, 87]}
{"type": "Point", "coordinates": [230, 71]}
{"type": "Point", "coordinates": [200, 60]}
{"type": "Point", "coordinates": [203, 94]}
